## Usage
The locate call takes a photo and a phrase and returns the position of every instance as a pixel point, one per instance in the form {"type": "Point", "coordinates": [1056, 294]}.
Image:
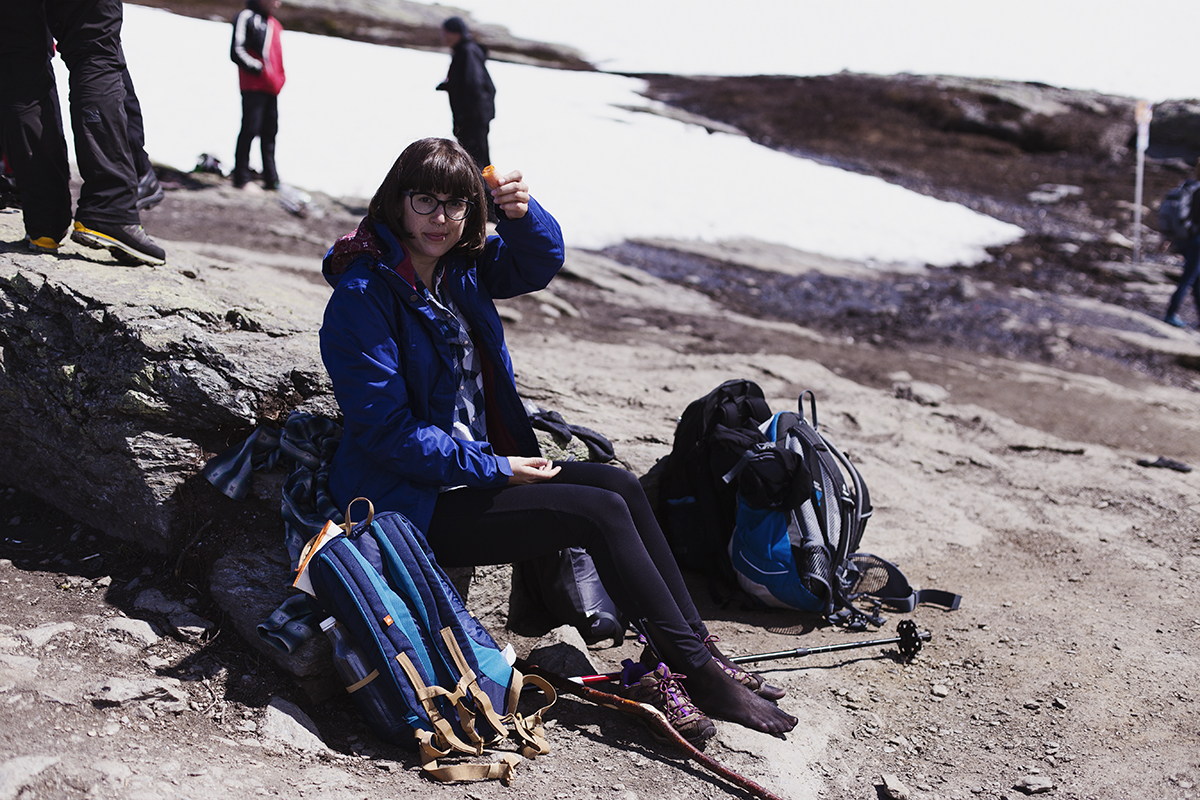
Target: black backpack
{"type": "Point", "coordinates": [1176, 214]}
{"type": "Point", "coordinates": [694, 505]}
{"type": "Point", "coordinates": [802, 507]}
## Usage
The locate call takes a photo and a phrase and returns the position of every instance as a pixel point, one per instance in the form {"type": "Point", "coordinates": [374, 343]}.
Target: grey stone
{"type": "Point", "coordinates": [563, 650]}
{"type": "Point", "coordinates": [141, 630]}
{"type": "Point", "coordinates": [155, 601]}
{"type": "Point", "coordinates": [16, 773]}
{"type": "Point", "coordinates": [894, 788]}
{"type": "Point", "coordinates": [926, 394]}
{"type": "Point", "coordinates": [287, 724]}
{"type": "Point", "coordinates": [191, 626]}
{"type": "Point", "coordinates": [42, 634]}
{"type": "Point", "coordinates": [162, 694]}
{"type": "Point", "coordinates": [17, 670]}
{"type": "Point", "coordinates": [1034, 784]}
{"type": "Point", "coordinates": [1051, 193]}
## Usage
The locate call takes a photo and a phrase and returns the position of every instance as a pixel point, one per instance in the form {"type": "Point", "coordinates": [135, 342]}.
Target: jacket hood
{"type": "Point", "coordinates": [377, 245]}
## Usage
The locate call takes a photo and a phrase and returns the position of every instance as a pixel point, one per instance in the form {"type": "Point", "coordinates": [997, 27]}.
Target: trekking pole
{"type": "Point", "coordinates": [908, 641]}
{"type": "Point", "coordinates": [655, 718]}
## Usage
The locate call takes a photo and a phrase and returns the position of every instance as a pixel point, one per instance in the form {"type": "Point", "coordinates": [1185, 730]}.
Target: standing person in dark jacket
{"type": "Point", "coordinates": [1190, 279]}
{"type": "Point", "coordinates": [88, 33]}
{"type": "Point", "coordinates": [257, 52]}
{"type": "Point", "coordinates": [435, 427]}
{"type": "Point", "coordinates": [472, 94]}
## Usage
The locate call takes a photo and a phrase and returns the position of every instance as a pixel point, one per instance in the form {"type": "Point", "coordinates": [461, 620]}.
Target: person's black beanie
{"type": "Point", "coordinates": [455, 25]}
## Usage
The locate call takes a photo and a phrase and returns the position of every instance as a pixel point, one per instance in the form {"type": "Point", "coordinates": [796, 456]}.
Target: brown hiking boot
{"type": "Point", "coordinates": [751, 680]}
{"type": "Point", "coordinates": [662, 689]}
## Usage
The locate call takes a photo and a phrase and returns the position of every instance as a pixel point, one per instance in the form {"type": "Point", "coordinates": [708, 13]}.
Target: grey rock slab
{"type": "Point", "coordinates": [1034, 784]}
{"type": "Point", "coordinates": [139, 629]}
{"type": "Point", "coordinates": [563, 651]}
{"type": "Point", "coordinates": [894, 788]}
{"type": "Point", "coordinates": [161, 693]}
{"type": "Point", "coordinates": [17, 670]}
{"type": "Point", "coordinates": [16, 773]}
{"type": "Point", "coordinates": [155, 601]}
{"type": "Point", "coordinates": [248, 587]}
{"type": "Point", "coordinates": [42, 634]}
{"type": "Point", "coordinates": [287, 724]}
{"type": "Point", "coordinates": [114, 380]}
{"type": "Point", "coordinates": [191, 626]}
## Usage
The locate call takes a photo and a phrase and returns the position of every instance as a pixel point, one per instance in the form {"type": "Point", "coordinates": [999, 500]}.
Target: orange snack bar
{"type": "Point", "coordinates": [490, 175]}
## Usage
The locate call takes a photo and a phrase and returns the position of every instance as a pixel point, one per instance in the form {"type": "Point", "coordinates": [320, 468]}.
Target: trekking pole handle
{"type": "Point", "coordinates": [812, 404]}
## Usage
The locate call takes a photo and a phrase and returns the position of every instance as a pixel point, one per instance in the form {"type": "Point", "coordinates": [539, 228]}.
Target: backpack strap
{"type": "Point", "coordinates": [442, 740]}
{"type": "Point", "coordinates": [883, 580]}
{"type": "Point", "coordinates": [502, 769]}
{"type": "Point", "coordinates": [469, 684]}
{"type": "Point", "coordinates": [529, 730]}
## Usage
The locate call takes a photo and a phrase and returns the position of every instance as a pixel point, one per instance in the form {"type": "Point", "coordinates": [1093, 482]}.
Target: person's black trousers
{"type": "Point", "coordinates": [599, 507]}
{"type": "Point", "coordinates": [31, 120]}
{"type": "Point", "coordinates": [260, 119]}
{"type": "Point", "coordinates": [474, 139]}
{"type": "Point", "coordinates": [88, 33]}
{"type": "Point", "coordinates": [137, 128]}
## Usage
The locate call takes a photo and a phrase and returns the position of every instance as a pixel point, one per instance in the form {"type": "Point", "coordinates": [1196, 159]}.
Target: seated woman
{"type": "Point", "coordinates": [434, 427]}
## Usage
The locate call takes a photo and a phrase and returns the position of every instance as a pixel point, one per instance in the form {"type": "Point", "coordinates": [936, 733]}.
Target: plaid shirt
{"type": "Point", "coordinates": [469, 421]}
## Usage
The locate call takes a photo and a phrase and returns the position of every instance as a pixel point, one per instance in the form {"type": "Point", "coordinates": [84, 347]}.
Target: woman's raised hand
{"type": "Point", "coordinates": [530, 470]}
{"type": "Point", "coordinates": [512, 195]}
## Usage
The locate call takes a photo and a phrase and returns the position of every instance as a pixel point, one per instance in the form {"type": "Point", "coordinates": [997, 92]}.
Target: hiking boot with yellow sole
{"type": "Point", "coordinates": [43, 244]}
{"type": "Point", "coordinates": [123, 241]}
{"type": "Point", "coordinates": [662, 689]}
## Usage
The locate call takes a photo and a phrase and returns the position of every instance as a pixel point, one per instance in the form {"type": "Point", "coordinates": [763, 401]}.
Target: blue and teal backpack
{"type": "Point", "coordinates": [439, 682]}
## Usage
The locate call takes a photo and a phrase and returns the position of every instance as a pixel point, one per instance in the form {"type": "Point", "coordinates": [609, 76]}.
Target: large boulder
{"type": "Point", "coordinates": [116, 383]}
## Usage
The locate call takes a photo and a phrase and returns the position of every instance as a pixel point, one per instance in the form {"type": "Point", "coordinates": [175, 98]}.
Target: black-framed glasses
{"type": "Point", "coordinates": [425, 204]}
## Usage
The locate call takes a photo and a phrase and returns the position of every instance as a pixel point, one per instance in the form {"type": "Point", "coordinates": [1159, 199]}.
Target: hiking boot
{"type": "Point", "coordinates": [662, 689]}
{"type": "Point", "coordinates": [1175, 320]}
{"type": "Point", "coordinates": [751, 680]}
{"type": "Point", "coordinates": [43, 244]}
{"type": "Point", "coordinates": [149, 191]}
{"type": "Point", "coordinates": [122, 241]}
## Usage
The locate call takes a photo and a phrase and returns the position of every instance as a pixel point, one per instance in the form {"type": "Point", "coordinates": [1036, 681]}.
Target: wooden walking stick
{"type": "Point", "coordinates": [652, 716]}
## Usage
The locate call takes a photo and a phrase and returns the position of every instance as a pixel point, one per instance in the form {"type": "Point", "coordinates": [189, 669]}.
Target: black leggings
{"type": "Point", "coordinates": [595, 506]}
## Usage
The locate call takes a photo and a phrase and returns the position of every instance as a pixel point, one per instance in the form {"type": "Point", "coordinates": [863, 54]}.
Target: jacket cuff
{"type": "Point", "coordinates": [503, 467]}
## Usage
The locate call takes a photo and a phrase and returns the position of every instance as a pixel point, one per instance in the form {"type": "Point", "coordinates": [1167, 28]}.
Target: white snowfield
{"type": "Point", "coordinates": [609, 173]}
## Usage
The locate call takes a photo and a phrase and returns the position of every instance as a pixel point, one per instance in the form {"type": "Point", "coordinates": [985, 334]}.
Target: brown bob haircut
{"type": "Point", "coordinates": [434, 166]}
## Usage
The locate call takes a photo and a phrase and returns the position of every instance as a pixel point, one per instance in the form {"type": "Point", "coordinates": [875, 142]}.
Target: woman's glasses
{"type": "Point", "coordinates": [425, 204]}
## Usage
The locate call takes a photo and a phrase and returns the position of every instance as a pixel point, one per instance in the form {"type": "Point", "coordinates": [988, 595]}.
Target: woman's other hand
{"type": "Point", "coordinates": [512, 195]}
{"type": "Point", "coordinates": [530, 470]}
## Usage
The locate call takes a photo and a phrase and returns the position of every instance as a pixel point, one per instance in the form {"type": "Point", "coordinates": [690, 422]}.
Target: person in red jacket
{"type": "Point", "coordinates": [257, 52]}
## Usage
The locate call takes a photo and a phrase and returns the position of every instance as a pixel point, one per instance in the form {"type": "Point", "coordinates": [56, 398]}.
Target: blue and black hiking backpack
{"type": "Point", "coordinates": [1176, 214]}
{"type": "Point", "coordinates": [438, 683]}
{"type": "Point", "coordinates": [802, 507]}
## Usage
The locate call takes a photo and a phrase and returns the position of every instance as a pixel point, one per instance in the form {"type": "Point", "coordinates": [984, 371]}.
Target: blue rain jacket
{"type": "Point", "coordinates": [394, 378]}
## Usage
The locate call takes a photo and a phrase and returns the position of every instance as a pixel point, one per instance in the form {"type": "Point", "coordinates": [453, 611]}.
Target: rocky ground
{"type": "Point", "coordinates": [997, 412]}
